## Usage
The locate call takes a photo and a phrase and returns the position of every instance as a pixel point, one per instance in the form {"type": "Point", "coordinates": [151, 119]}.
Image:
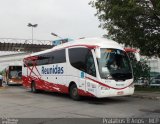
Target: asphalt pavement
{"type": "Point", "coordinates": [147, 95]}
{"type": "Point", "coordinates": [15, 101]}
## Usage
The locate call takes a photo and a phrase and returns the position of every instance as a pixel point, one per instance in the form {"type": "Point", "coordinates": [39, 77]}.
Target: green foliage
{"type": "Point", "coordinates": [131, 22]}
{"type": "Point", "coordinates": [148, 89]}
{"type": "Point", "coordinates": [140, 69]}
{"type": "Point", "coordinates": [2, 72]}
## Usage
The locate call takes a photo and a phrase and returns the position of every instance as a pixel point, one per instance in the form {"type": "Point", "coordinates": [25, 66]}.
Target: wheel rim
{"type": "Point", "coordinates": [75, 92]}
{"type": "Point", "coordinates": [33, 87]}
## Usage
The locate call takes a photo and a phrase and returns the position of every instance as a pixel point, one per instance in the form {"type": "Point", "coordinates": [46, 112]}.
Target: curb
{"type": "Point", "coordinates": [146, 97]}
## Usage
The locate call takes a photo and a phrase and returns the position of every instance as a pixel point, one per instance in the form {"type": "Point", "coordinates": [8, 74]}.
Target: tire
{"type": "Point", "coordinates": [33, 88]}
{"type": "Point", "coordinates": [1, 83]}
{"type": "Point", "coordinates": [74, 92]}
{"type": "Point", "coordinates": [7, 83]}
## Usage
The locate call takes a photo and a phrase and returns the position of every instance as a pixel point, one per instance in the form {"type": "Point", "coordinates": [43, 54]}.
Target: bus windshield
{"type": "Point", "coordinates": [15, 72]}
{"type": "Point", "coordinates": [114, 64]}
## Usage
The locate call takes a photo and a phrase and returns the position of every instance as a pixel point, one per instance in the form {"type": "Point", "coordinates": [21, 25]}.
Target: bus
{"type": "Point", "coordinates": [13, 74]}
{"type": "Point", "coordinates": [95, 67]}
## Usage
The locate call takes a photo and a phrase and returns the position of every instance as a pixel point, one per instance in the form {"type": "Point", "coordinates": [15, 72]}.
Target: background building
{"type": "Point", "coordinates": [154, 64]}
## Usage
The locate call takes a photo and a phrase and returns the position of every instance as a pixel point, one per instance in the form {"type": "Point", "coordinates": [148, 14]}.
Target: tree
{"type": "Point", "coordinates": [134, 23]}
{"type": "Point", "coordinates": [140, 68]}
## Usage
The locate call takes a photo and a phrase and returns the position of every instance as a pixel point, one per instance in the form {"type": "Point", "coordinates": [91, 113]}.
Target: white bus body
{"type": "Point", "coordinates": [80, 68]}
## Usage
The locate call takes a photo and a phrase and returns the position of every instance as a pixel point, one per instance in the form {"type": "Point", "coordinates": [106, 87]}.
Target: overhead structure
{"type": "Point", "coordinates": [14, 57]}
{"type": "Point", "coordinates": [25, 45]}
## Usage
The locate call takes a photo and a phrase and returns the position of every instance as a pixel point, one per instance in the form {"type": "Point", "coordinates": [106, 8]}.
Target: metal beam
{"type": "Point", "coordinates": [10, 44]}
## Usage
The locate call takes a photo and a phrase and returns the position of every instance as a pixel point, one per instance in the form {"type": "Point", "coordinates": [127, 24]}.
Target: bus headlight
{"type": "Point", "coordinates": [109, 76]}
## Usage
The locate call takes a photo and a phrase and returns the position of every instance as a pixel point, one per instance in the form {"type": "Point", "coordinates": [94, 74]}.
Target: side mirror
{"type": "Point", "coordinates": [135, 52]}
{"type": "Point", "coordinates": [98, 52]}
{"type": "Point", "coordinates": [137, 56]}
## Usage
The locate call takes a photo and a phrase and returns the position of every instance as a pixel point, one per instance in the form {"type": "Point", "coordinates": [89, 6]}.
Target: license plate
{"type": "Point", "coordinates": [120, 93]}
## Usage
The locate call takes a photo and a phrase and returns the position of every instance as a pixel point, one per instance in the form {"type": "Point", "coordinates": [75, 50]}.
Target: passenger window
{"type": "Point", "coordinates": [52, 57]}
{"type": "Point", "coordinates": [82, 59]}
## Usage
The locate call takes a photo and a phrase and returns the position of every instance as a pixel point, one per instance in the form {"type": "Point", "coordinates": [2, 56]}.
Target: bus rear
{"type": "Point", "coordinates": [13, 75]}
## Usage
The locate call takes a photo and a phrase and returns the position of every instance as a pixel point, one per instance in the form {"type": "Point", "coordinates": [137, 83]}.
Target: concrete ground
{"type": "Point", "coordinates": [17, 102]}
{"type": "Point", "coordinates": [147, 95]}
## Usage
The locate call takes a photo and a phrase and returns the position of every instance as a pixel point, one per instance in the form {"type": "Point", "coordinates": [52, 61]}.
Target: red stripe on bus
{"type": "Point", "coordinates": [50, 86]}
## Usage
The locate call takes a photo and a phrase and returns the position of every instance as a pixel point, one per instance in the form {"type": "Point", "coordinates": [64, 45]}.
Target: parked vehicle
{"type": "Point", "coordinates": [142, 82]}
{"type": "Point", "coordinates": [1, 80]}
{"type": "Point", "coordinates": [13, 74]}
{"type": "Point", "coordinates": [155, 82]}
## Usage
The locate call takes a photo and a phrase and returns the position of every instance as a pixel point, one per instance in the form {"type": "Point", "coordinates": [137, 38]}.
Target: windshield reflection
{"type": "Point", "coordinates": [114, 63]}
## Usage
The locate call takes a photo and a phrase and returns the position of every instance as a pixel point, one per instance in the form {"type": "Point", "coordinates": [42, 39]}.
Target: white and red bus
{"type": "Point", "coordinates": [86, 67]}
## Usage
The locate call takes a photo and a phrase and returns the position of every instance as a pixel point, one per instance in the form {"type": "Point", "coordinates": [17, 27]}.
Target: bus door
{"type": "Point", "coordinates": [82, 64]}
{"type": "Point", "coordinates": [82, 80]}
{"type": "Point", "coordinates": [90, 73]}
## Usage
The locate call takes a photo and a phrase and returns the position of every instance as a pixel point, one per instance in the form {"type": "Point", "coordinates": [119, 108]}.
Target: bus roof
{"type": "Point", "coordinates": [86, 42]}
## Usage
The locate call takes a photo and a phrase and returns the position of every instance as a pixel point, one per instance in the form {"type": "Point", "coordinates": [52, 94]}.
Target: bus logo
{"type": "Point", "coordinates": [52, 70]}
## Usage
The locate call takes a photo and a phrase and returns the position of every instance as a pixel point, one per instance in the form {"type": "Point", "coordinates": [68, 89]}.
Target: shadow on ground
{"type": "Point", "coordinates": [89, 100]}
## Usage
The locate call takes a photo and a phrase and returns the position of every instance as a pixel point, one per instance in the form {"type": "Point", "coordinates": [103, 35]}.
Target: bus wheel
{"type": "Point", "coordinates": [33, 87]}
{"type": "Point", "coordinates": [7, 83]}
{"type": "Point", "coordinates": [74, 92]}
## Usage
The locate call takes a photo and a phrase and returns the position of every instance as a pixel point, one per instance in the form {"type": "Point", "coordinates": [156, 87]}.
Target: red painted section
{"type": "Point", "coordinates": [31, 58]}
{"type": "Point", "coordinates": [108, 85]}
{"type": "Point", "coordinates": [130, 50]}
{"type": "Point", "coordinates": [44, 85]}
{"type": "Point", "coordinates": [50, 86]}
{"type": "Point", "coordinates": [83, 93]}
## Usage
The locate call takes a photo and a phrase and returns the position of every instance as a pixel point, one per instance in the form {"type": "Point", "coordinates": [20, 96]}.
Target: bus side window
{"type": "Point", "coordinates": [82, 59]}
{"type": "Point", "coordinates": [90, 64]}
{"type": "Point", "coordinates": [77, 57]}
